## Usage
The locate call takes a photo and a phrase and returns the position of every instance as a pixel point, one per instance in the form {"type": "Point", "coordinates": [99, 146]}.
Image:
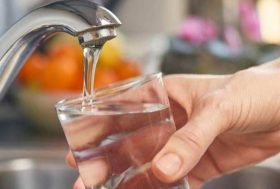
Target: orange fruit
{"type": "Point", "coordinates": [32, 69]}
{"type": "Point", "coordinates": [62, 74]}
{"type": "Point", "coordinates": [64, 44]}
{"type": "Point", "coordinates": [110, 54]}
{"type": "Point", "coordinates": [104, 76]}
{"type": "Point", "coordinates": [66, 50]}
{"type": "Point", "coordinates": [127, 69]}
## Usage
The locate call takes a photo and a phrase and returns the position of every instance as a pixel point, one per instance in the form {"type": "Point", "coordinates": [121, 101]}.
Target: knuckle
{"type": "Point", "coordinates": [242, 76]}
{"type": "Point", "coordinates": [191, 139]}
{"type": "Point", "coordinates": [242, 73]}
{"type": "Point", "coordinates": [217, 101]}
{"type": "Point", "coordinates": [168, 79]}
{"type": "Point", "coordinates": [219, 104]}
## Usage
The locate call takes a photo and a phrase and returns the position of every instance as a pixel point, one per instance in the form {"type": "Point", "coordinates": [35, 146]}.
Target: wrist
{"type": "Point", "coordinates": [255, 93]}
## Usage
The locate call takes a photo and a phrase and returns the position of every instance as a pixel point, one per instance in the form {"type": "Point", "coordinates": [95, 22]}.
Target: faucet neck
{"type": "Point", "coordinates": [91, 23]}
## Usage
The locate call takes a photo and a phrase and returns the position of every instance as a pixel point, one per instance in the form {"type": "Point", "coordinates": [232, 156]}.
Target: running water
{"type": "Point", "coordinates": [91, 56]}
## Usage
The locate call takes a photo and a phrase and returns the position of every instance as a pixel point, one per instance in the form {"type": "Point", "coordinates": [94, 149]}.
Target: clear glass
{"type": "Point", "coordinates": [115, 134]}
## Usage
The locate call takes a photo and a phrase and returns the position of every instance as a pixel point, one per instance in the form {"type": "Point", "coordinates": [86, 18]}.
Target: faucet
{"type": "Point", "coordinates": [91, 23]}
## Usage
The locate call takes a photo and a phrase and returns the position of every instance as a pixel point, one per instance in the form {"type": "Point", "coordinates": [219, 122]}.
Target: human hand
{"type": "Point", "coordinates": [223, 123]}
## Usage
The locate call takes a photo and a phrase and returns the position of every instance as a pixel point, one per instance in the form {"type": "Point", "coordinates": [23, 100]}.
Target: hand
{"type": "Point", "coordinates": [223, 123]}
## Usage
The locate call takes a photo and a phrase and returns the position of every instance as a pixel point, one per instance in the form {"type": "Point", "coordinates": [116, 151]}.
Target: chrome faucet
{"type": "Point", "coordinates": [91, 23]}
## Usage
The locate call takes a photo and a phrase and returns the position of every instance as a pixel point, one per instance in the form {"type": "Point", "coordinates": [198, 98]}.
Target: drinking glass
{"type": "Point", "coordinates": [115, 134]}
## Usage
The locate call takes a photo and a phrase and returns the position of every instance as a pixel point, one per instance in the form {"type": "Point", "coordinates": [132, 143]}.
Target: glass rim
{"type": "Point", "coordinates": [111, 90]}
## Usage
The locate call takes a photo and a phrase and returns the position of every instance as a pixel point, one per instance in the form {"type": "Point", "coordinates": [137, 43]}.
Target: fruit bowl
{"type": "Point", "coordinates": [38, 108]}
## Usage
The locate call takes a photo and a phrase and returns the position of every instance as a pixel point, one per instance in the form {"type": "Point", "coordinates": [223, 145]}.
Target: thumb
{"type": "Point", "coordinates": [79, 184]}
{"type": "Point", "coordinates": [186, 146]}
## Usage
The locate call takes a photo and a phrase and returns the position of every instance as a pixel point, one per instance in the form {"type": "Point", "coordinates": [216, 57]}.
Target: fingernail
{"type": "Point", "coordinates": [79, 184]}
{"type": "Point", "coordinates": [169, 164]}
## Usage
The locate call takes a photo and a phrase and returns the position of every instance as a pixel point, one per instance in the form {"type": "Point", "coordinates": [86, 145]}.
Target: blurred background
{"type": "Point", "coordinates": [182, 36]}
{"type": "Point", "coordinates": [179, 36]}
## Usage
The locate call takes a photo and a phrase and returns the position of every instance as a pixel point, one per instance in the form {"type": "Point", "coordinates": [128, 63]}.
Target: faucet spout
{"type": "Point", "coordinates": [91, 23]}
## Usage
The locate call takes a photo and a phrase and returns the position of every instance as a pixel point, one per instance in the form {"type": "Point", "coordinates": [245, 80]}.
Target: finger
{"type": "Point", "coordinates": [87, 131]}
{"type": "Point", "coordinates": [83, 131]}
{"type": "Point", "coordinates": [143, 178]}
{"type": "Point", "coordinates": [194, 182]}
{"type": "Point", "coordinates": [134, 149]}
{"type": "Point", "coordinates": [187, 90]}
{"type": "Point", "coordinates": [94, 172]}
{"type": "Point", "coordinates": [139, 147]}
{"type": "Point", "coordinates": [70, 159]}
{"type": "Point", "coordinates": [117, 155]}
{"type": "Point", "coordinates": [79, 184]}
{"type": "Point", "coordinates": [187, 145]}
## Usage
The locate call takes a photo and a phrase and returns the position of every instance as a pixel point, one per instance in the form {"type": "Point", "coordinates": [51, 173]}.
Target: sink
{"type": "Point", "coordinates": [40, 169]}
{"type": "Point", "coordinates": [43, 168]}
{"type": "Point", "coordinates": [265, 175]}
{"type": "Point", "coordinates": [248, 178]}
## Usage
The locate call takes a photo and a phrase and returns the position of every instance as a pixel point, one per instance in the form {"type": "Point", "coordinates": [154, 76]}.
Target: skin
{"type": "Point", "coordinates": [223, 123]}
